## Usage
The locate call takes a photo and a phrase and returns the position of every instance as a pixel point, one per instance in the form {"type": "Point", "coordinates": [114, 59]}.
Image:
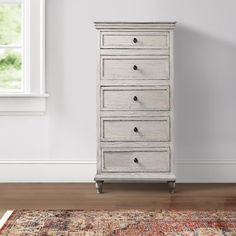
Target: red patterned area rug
{"type": "Point", "coordinates": [121, 222]}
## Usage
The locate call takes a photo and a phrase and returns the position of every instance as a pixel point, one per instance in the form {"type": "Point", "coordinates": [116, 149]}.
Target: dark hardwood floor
{"type": "Point", "coordinates": [116, 196]}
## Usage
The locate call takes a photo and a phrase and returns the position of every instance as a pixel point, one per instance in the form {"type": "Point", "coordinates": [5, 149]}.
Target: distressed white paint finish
{"type": "Point", "coordinates": [135, 107]}
{"type": "Point", "coordinates": [135, 67]}
{"type": "Point", "coordinates": [135, 98]}
{"type": "Point", "coordinates": [132, 113]}
{"type": "Point", "coordinates": [135, 40]}
{"type": "Point", "coordinates": [135, 129]}
{"type": "Point", "coordinates": [135, 160]}
{"type": "Point", "coordinates": [141, 26]}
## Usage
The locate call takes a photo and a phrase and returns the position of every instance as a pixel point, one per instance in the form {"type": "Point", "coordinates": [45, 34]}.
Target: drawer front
{"type": "Point", "coordinates": [145, 40]}
{"type": "Point", "coordinates": [136, 160]}
{"type": "Point", "coordinates": [135, 67]}
{"type": "Point", "coordinates": [135, 129]}
{"type": "Point", "coordinates": [132, 98]}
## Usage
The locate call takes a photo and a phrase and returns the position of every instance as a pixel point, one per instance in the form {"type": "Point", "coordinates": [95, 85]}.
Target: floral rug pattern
{"type": "Point", "coordinates": [122, 223]}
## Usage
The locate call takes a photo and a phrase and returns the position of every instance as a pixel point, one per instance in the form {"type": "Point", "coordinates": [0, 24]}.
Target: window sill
{"type": "Point", "coordinates": [23, 104]}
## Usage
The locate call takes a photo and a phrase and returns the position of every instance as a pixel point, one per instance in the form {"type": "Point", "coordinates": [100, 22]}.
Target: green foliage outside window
{"type": "Point", "coordinates": [10, 24]}
{"type": "Point", "coordinates": [10, 59]}
{"type": "Point", "coordinates": [10, 70]}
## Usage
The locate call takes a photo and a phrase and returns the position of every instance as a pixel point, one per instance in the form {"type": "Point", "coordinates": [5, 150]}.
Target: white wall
{"type": "Point", "coordinates": [61, 145]}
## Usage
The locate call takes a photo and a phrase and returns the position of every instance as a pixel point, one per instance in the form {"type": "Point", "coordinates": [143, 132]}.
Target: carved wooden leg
{"type": "Point", "coordinates": [172, 186]}
{"type": "Point", "coordinates": [99, 185]}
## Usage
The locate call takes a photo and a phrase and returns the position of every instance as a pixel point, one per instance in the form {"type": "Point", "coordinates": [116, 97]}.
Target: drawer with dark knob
{"type": "Point", "coordinates": [135, 98]}
{"type": "Point", "coordinates": [135, 129]}
{"type": "Point", "coordinates": [143, 40]}
{"type": "Point", "coordinates": [135, 67]}
{"type": "Point", "coordinates": [136, 160]}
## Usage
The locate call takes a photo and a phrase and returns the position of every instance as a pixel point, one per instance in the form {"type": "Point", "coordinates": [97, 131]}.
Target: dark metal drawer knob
{"type": "Point", "coordinates": [135, 98]}
{"type": "Point", "coordinates": [135, 129]}
{"type": "Point", "coordinates": [135, 160]}
{"type": "Point", "coordinates": [135, 67]}
{"type": "Point", "coordinates": [135, 40]}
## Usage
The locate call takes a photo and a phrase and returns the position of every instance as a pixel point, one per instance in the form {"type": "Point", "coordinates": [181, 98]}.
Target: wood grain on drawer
{"type": "Point", "coordinates": [136, 159]}
{"type": "Point", "coordinates": [147, 40]}
{"type": "Point", "coordinates": [135, 129]}
{"type": "Point", "coordinates": [135, 67]}
{"type": "Point", "coordinates": [135, 98]}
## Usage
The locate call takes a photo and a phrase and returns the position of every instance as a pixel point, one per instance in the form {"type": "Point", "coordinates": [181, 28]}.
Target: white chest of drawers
{"type": "Point", "coordinates": [135, 103]}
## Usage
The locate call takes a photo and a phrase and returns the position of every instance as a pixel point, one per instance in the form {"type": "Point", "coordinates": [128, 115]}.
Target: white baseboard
{"type": "Point", "coordinates": [201, 171]}
{"type": "Point", "coordinates": [206, 171]}
{"type": "Point", "coordinates": [47, 171]}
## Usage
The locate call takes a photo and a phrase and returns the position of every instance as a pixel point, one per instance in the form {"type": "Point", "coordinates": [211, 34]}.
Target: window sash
{"type": "Point", "coordinates": [34, 45]}
{"type": "Point", "coordinates": [33, 100]}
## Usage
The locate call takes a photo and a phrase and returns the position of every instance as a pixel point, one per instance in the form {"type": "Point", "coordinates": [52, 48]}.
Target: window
{"type": "Point", "coordinates": [22, 77]}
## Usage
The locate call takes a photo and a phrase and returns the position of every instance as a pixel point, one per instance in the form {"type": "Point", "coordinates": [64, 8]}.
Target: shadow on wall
{"type": "Point", "coordinates": [205, 96]}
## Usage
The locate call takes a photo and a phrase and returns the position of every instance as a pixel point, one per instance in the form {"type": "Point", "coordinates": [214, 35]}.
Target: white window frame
{"type": "Point", "coordinates": [33, 98]}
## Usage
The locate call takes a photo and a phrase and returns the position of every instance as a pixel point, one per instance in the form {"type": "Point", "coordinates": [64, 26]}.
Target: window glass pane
{"type": "Point", "coordinates": [10, 24]}
{"type": "Point", "coordinates": [10, 69]}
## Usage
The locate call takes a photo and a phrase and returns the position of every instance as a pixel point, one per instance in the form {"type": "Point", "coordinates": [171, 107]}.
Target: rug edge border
{"type": "Point", "coordinates": [5, 218]}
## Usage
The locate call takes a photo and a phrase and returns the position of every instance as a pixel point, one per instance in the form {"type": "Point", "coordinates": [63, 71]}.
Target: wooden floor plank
{"type": "Point", "coordinates": [116, 196]}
